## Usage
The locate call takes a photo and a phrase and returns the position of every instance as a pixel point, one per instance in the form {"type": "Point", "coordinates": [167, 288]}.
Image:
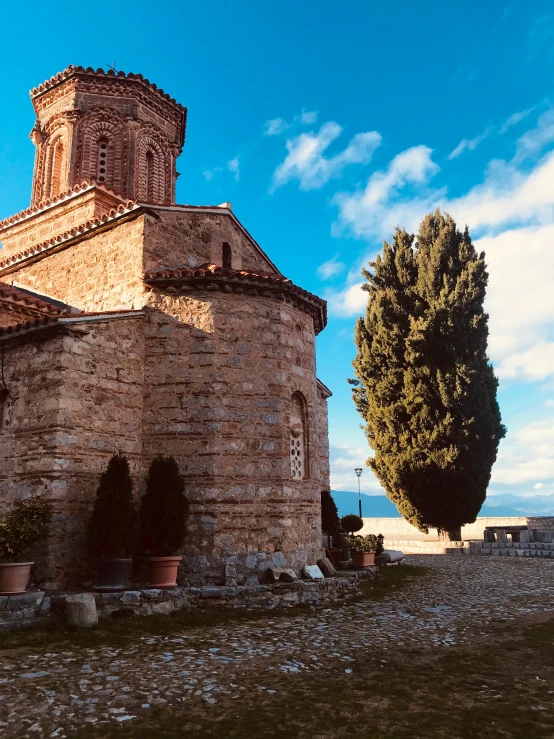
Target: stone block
{"type": "Point", "coordinates": [46, 605]}
{"type": "Point", "coordinates": [80, 610]}
{"type": "Point", "coordinates": [312, 572]}
{"type": "Point", "coordinates": [326, 566]}
{"type": "Point", "coordinates": [162, 608]}
{"type": "Point", "coordinates": [131, 598]}
{"type": "Point", "coordinates": [25, 600]}
{"type": "Point", "coordinates": [210, 592]}
{"type": "Point", "coordinates": [281, 574]}
{"type": "Point", "coordinates": [151, 594]}
{"type": "Point", "coordinates": [110, 599]}
{"type": "Point", "coordinates": [3, 602]}
{"type": "Point", "coordinates": [381, 560]}
{"type": "Point", "coordinates": [279, 559]}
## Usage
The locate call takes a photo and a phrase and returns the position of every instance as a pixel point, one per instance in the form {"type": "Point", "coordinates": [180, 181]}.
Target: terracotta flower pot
{"type": "Point", "coordinates": [112, 574]}
{"type": "Point", "coordinates": [363, 559]}
{"type": "Point", "coordinates": [336, 555]}
{"type": "Point", "coordinates": [162, 571]}
{"type": "Point", "coordinates": [14, 577]}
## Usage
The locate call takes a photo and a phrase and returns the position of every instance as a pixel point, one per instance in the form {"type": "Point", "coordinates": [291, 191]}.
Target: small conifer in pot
{"type": "Point", "coordinates": [113, 525]}
{"type": "Point", "coordinates": [163, 521]}
{"type": "Point", "coordinates": [24, 524]}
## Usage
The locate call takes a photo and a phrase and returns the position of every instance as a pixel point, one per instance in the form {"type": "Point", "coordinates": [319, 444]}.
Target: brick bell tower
{"type": "Point", "coordinates": [112, 128]}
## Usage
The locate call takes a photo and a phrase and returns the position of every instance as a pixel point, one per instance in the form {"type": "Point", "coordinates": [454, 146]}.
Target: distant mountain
{"type": "Point", "coordinates": [379, 506]}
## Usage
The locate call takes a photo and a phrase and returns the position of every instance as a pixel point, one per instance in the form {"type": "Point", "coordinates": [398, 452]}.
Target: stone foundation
{"type": "Point", "coordinates": [39, 607]}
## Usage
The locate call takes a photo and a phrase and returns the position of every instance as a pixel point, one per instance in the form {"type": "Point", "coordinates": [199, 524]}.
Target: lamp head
{"type": "Point", "coordinates": [358, 471]}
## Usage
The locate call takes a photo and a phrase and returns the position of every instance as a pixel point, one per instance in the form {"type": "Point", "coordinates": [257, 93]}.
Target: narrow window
{"type": "Point", "coordinates": [102, 160]}
{"type": "Point", "coordinates": [3, 406]}
{"type": "Point", "coordinates": [297, 438]}
{"type": "Point", "coordinates": [57, 166]}
{"type": "Point", "coordinates": [227, 256]}
{"type": "Point", "coordinates": [149, 177]}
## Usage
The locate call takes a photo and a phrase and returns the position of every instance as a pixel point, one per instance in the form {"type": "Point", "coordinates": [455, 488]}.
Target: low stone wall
{"type": "Point", "coordinates": [37, 607]}
{"type": "Point", "coordinates": [400, 529]}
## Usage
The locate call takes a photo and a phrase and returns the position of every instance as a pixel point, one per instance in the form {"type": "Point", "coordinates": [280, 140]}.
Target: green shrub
{"type": "Point", "coordinates": [330, 523]}
{"type": "Point", "coordinates": [363, 543]}
{"type": "Point", "coordinates": [351, 523]}
{"type": "Point", "coordinates": [112, 530]}
{"type": "Point", "coordinates": [25, 524]}
{"type": "Point", "coordinates": [164, 509]}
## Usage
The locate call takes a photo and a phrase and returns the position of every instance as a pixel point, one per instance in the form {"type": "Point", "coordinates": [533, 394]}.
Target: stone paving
{"type": "Point", "coordinates": [49, 693]}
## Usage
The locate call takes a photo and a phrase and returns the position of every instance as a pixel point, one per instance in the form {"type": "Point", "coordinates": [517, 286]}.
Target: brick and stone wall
{"type": "Point", "coordinates": [180, 238]}
{"type": "Point", "coordinates": [101, 272]}
{"type": "Point", "coordinates": [75, 398]}
{"type": "Point", "coordinates": [221, 406]}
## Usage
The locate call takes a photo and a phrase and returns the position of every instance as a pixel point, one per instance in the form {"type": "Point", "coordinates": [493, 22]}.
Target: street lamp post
{"type": "Point", "coordinates": [358, 472]}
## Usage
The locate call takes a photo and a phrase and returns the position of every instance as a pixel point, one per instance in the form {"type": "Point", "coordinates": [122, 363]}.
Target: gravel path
{"type": "Point", "coordinates": [49, 693]}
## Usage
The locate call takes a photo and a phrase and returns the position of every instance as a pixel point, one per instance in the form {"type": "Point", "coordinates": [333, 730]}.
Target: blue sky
{"type": "Point", "coordinates": [327, 124]}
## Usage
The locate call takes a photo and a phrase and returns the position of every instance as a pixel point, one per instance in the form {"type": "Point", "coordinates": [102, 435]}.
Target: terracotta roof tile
{"type": "Point", "coordinates": [19, 328]}
{"type": "Point", "coordinates": [29, 303]}
{"type": "Point", "coordinates": [80, 230]}
{"type": "Point", "coordinates": [210, 274]}
{"type": "Point", "coordinates": [76, 189]}
{"type": "Point", "coordinates": [73, 70]}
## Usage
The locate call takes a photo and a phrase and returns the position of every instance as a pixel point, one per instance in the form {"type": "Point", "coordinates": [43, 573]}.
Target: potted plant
{"type": "Point", "coordinates": [363, 550]}
{"type": "Point", "coordinates": [163, 517]}
{"type": "Point", "coordinates": [330, 525]}
{"type": "Point", "coordinates": [113, 525]}
{"type": "Point", "coordinates": [25, 524]}
{"type": "Point", "coordinates": [352, 523]}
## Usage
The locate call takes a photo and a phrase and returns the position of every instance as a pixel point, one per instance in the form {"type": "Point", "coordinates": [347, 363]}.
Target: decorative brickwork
{"type": "Point", "coordinates": [177, 335]}
{"type": "Point", "coordinates": [81, 109]}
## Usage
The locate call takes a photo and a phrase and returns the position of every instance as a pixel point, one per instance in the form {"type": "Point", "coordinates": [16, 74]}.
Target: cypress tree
{"type": "Point", "coordinates": [163, 509]}
{"type": "Point", "coordinates": [423, 383]}
{"type": "Point", "coordinates": [113, 525]}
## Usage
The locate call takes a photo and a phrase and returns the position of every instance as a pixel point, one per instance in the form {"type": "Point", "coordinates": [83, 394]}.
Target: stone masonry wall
{"type": "Point", "coordinates": [102, 272]}
{"type": "Point", "coordinates": [188, 239]}
{"type": "Point", "coordinates": [55, 220]}
{"type": "Point", "coordinates": [75, 398]}
{"type": "Point", "coordinates": [399, 528]}
{"type": "Point", "coordinates": [220, 404]}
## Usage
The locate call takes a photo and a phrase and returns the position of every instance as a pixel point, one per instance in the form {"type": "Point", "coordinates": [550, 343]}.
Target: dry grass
{"type": "Point", "coordinates": [502, 688]}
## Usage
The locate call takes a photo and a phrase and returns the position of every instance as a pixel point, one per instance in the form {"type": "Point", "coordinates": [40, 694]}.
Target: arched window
{"type": "Point", "coordinates": [56, 169]}
{"type": "Point", "coordinates": [298, 461]}
{"type": "Point", "coordinates": [227, 256]}
{"type": "Point", "coordinates": [102, 166]}
{"type": "Point", "coordinates": [149, 177]}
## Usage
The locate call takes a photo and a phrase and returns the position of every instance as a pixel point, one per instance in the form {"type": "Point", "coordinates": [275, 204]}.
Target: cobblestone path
{"type": "Point", "coordinates": [49, 693]}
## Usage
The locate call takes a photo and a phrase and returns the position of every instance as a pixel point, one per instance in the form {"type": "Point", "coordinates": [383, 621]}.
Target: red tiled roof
{"type": "Point", "coordinates": [19, 328]}
{"type": "Point", "coordinates": [212, 275]}
{"type": "Point", "coordinates": [88, 185]}
{"type": "Point", "coordinates": [73, 70]}
{"type": "Point", "coordinates": [25, 302]}
{"type": "Point", "coordinates": [68, 235]}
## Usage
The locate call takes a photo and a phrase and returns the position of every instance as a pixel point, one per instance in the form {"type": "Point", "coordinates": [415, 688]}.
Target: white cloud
{"type": "Point", "coordinates": [534, 140]}
{"type": "Point", "coordinates": [275, 127]}
{"type": "Point", "coordinates": [515, 118]}
{"type": "Point", "coordinates": [376, 210]}
{"type": "Point", "coordinates": [344, 459]}
{"type": "Point", "coordinates": [549, 403]}
{"type": "Point", "coordinates": [233, 167]}
{"type": "Point", "coordinates": [527, 456]}
{"type": "Point", "coordinates": [330, 268]}
{"type": "Point", "coordinates": [308, 117]}
{"type": "Point", "coordinates": [538, 486]}
{"type": "Point", "coordinates": [468, 144]}
{"type": "Point", "coordinates": [307, 163]}
{"type": "Point", "coordinates": [348, 302]}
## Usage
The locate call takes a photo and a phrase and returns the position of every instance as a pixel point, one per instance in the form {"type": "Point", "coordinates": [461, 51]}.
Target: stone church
{"type": "Point", "coordinates": [128, 322]}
